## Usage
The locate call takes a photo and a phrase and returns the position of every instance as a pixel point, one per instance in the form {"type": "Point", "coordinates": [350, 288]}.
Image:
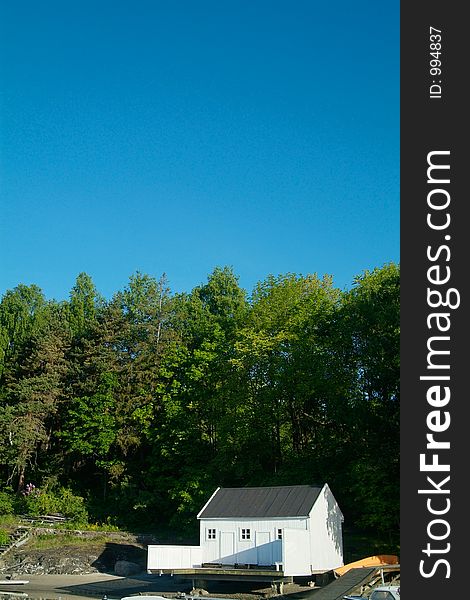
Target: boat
{"type": "Point", "coordinates": [381, 560]}
{"type": "Point", "coordinates": [144, 597]}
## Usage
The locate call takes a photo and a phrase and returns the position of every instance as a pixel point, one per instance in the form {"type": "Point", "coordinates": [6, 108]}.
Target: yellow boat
{"type": "Point", "coordinates": [370, 561]}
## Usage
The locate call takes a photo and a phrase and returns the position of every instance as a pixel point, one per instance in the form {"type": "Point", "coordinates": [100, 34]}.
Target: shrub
{"type": "Point", "coordinates": [4, 538]}
{"type": "Point", "coordinates": [72, 506]}
{"type": "Point", "coordinates": [108, 525]}
{"type": "Point", "coordinates": [42, 502]}
{"type": "Point", "coordinates": [6, 503]}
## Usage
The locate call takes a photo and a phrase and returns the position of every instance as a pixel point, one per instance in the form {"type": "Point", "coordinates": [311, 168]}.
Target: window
{"type": "Point", "coordinates": [245, 534]}
{"type": "Point", "coordinates": [279, 534]}
{"type": "Point", "coordinates": [211, 534]}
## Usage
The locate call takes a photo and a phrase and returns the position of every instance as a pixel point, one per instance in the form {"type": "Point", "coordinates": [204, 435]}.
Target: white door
{"type": "Point", "coordinates": [264, 548]}
{"type": "Point", "coordinates": [227, 547]}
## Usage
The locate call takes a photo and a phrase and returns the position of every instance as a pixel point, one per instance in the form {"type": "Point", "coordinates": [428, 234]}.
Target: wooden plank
{"type": "Point", "coordinates": [346, 584]}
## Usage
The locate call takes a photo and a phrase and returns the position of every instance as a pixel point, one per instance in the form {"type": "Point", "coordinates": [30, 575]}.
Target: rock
{"type": "Point", "coordinates": [124, 568]}
{"type": "Point", "coordinates": [76, 557]}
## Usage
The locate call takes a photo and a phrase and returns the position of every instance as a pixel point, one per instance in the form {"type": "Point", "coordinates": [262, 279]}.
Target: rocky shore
{"type": "Point", "coordinates": [77, 555]}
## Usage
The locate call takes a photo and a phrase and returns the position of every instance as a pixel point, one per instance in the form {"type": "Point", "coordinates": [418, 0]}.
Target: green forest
{"type": "Point", "coordinates": [132, 410]}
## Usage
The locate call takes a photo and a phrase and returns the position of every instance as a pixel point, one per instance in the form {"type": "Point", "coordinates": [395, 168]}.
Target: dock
{"type": "Point", "coordinates": [275, 578]}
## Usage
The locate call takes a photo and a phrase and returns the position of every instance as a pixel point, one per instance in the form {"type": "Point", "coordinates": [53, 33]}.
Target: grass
{"type": "Point", "coordinates": [4, 537]}
{"type": "Point", "coordinates": [8, 521]}
{"type": "Point", "coordinates": [51, 541]}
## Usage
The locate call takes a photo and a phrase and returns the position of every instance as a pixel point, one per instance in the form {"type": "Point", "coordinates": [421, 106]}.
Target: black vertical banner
{"type": "Point", "coordinates": [435, 248]}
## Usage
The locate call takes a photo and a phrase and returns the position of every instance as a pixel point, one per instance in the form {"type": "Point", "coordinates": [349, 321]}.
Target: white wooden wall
{"type": "Point", "coordinates": [262, 548]}
{"type": "Point", "coordinates": [296, 559]}
{"type": "Point", "coordinates": [326, 532]}
{"type": "Point", "coordinates": [173, 557]}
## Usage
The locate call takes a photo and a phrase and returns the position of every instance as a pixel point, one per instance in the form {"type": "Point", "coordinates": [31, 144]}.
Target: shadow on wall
{"type": "Point", "coordinates": [264, 555]}
{"type": "Point", "coordinates": [333, 522]}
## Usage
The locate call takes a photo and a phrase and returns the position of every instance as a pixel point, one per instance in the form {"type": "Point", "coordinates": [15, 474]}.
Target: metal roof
{"type": "Point", "coordinates": [261, 502]}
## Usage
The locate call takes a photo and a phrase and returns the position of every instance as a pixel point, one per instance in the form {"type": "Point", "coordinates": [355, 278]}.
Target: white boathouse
{"type": "Point", "coordinates": [290, 530]}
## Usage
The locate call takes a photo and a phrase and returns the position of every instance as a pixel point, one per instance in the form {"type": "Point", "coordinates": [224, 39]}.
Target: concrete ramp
{"type": "Point", "coordinates": [346, 584]}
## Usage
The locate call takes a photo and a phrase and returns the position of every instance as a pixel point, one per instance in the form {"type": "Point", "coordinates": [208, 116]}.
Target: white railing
{"type": "Point", "coordinates": [163, 557]}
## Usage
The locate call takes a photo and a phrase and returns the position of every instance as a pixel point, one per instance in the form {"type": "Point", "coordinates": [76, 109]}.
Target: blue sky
{"type": "Point", "coordinates": [174, 136]}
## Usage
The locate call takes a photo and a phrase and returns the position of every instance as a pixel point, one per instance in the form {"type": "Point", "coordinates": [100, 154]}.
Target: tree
{"type": "Point", "coordinates": [368, 337]}
{"type": "Point", "coordinates": [83, 305]}
{"type": "Point", "coordinates": [33, 390]}
{"type": "Point", "coordinates": [21, 313]}
{"type": "Point", "coordinates": [190, 428]}
{"type": "Point", "coordinates": [278, 353]}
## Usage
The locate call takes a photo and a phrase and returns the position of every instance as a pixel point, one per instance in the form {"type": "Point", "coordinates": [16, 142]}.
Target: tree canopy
{"type": "Point", "coordinates": [144, 403]}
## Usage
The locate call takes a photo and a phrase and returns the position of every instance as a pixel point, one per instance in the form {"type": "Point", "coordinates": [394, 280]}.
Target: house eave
{"type": "Point", "coordinates": [248, 518]}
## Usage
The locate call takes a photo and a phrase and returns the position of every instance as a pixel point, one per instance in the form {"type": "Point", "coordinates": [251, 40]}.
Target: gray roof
{"type": "Point", "coordinates": [261, 502]}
